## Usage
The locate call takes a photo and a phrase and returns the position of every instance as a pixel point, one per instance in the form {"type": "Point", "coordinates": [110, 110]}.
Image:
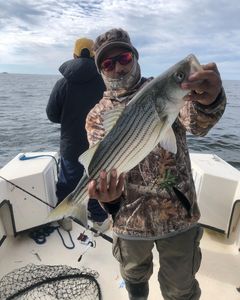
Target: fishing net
{"type": "Point", "coordinates": [42, 282]}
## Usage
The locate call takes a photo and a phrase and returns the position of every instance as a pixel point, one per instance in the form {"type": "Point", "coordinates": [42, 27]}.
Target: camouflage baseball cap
{"type": "Point", "coordinates": [113, 38]}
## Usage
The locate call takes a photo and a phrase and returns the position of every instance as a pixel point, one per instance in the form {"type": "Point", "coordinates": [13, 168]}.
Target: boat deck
{"type": "Point", "coordinates": [219, 275]}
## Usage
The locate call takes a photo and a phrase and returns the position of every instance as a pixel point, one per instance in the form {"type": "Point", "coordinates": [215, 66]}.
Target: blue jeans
{"type": "Point", "coordinates": [69, 175]}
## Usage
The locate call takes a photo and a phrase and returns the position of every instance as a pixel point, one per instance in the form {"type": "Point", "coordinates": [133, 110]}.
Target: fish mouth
{"type": "Point", "coordinates": [194, 64]}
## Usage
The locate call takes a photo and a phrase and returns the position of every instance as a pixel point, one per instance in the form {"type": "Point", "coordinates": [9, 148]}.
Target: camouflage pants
{"type": "Point", "coordinates": [180, 259]}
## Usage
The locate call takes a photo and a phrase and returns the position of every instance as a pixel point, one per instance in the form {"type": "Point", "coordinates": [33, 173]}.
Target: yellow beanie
{"type": "Point", "coordinates": [82, 43]}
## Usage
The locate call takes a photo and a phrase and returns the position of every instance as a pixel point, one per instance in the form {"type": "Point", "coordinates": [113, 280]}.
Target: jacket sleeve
{"type": "Point", "coordinates": [94, 121]}
{"type": "Point", "coordinates": [56, 101]}
{"type": "Point", "coordinates": [198, 119]}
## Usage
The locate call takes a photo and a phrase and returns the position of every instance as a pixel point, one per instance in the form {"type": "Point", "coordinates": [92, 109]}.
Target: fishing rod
{"type": "Point", "coordinates": [22, 189]}
{"type": "Point", "coordinates": [88, 227]}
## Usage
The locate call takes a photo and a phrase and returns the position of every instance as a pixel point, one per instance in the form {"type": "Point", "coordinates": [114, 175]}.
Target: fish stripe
{"type": "Point", "coordinates": [99, 160]}
{"type": "Point", "coordinates": [122, 142]}
{"type": "Point", "coordinates": [103, 158]}
{"type": "Point", "coordinates": [132, 139]}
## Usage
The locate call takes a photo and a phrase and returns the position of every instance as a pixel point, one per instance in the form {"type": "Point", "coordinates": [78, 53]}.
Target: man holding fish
{"type": "Point", "coordinates": [139, 168]}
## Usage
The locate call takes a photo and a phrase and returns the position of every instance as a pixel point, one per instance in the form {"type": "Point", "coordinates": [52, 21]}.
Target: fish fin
{"type": "Point", "coordinates": [67, 208]}
{"type": "Point", "coordinates": [110, 118]}
{"type": "Point", "coordinates": [87, 156]}
{"type": "Point", "coordinates": [168, 139]}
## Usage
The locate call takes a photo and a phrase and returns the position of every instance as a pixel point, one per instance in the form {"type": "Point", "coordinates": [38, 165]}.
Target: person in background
{"type": "Point", "coordinates": [70, 101]}
{"type": "Point", "coordinates": [148, 211]}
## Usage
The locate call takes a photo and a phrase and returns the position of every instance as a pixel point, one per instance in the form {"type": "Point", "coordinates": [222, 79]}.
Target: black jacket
{"type": "Point", "coordinates": [71, 99]}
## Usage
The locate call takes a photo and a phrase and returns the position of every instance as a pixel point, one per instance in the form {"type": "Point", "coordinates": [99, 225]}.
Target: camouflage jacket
{"type": "Point", "coordinates": [159, 197]}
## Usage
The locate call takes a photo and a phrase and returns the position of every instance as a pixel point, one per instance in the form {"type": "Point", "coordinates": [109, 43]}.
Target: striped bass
{"type": "Point", "coordinates": [132, 132]}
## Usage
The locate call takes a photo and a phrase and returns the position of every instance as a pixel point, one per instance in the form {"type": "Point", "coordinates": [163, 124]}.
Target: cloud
{"type": "Point", "coordinates": [42, 33]}
{"type": "Point", "coordinates": [21, 11]}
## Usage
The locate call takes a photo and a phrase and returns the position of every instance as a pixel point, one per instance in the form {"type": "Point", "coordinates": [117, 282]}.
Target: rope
{"type": "Point", "coordinates": [70, 236]}
{"type": "Point", "coordinates": [39, 235]}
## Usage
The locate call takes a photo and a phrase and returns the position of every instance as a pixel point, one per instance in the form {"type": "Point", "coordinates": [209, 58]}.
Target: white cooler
{"type": "Point", "coordinates": [218, 192]}
{"type": "Point", "coordinates": [37, 176]}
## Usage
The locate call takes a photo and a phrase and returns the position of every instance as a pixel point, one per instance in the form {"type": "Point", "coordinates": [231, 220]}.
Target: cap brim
{"type": "Point", "coordinates": [102, 50]}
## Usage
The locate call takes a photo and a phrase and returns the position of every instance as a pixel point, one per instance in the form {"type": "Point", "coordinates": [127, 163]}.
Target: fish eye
{"type": "Point", "coordinates": [179, 76]}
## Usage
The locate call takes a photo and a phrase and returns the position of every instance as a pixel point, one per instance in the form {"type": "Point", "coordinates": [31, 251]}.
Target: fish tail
{"type": "Point", "coordinates": [67, 208]}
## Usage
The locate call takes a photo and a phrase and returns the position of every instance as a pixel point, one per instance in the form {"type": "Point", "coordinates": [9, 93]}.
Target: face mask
{"type": "Point", "coordinates": [125, 82]}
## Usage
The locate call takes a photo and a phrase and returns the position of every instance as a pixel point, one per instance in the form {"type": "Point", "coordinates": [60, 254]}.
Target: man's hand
{"type": "Point", "coordinates": [205, 85]}
{"type": "Point", "coordinates": [106, 192]}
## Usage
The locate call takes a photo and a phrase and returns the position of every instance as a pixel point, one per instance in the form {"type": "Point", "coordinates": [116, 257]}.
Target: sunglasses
{"type": "Point", "coordinates": [124, 59]}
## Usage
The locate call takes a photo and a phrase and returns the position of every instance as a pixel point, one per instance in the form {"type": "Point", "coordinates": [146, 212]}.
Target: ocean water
{"type": "Point", "coordinates": [24, 126]}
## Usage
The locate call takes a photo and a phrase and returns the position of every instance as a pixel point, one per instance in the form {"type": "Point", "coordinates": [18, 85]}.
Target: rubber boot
{"type": "Point", "coordinates": [137, 291]}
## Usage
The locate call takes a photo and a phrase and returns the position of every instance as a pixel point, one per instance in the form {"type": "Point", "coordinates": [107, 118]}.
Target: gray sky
{"type": "Point", "coordinates": [36, 36]}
